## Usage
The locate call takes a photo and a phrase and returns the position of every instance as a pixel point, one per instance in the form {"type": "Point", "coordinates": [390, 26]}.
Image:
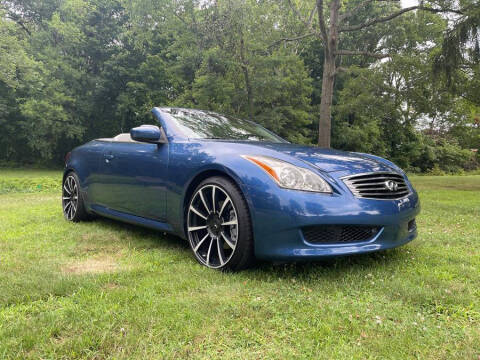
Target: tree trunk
{"type": "Point", "coordinates": [249, 92]}
{"type": "Point", "coordinates": [328, 78]}
{"type": "Point", "coordinates": [325, 122]}
{"type": "Point", "coordinates": [246, 75]}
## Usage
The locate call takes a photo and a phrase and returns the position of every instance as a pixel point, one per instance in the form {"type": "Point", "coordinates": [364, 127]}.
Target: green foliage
{"type": "Point", "coordinates": [359, 114]}
{"type": "Point", "coordinates": [75, 70]}
{"type": "Point", "coordinates": [444, 156]}
{"type": "Point", "coordinates": [460, 46]}
{"type": "Point", "coordinates": [216, 83]}
{"type": "Point", "coordinates": [283, 90]}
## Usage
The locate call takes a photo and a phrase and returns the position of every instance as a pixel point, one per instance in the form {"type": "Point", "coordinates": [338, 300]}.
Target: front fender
{"type": "Point", "coordinates": [204, 172]}
{"type": "Point", "coordinates": [187, 168]}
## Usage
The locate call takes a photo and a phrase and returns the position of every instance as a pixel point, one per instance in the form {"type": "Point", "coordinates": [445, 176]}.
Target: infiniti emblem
{"type": "Point", "coordinates": [391, 185]}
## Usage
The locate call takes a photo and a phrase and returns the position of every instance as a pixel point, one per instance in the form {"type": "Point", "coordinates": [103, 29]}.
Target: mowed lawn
{"type": "Point", "coordinates": [103, 289]}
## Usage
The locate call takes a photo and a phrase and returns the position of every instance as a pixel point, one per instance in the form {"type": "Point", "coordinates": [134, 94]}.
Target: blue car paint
{"type": "Point", "coordinates": [148, 184]}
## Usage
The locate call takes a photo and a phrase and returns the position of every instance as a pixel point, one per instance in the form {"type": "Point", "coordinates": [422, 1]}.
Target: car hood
{"type": "Point", "coordinates": [329, 160]}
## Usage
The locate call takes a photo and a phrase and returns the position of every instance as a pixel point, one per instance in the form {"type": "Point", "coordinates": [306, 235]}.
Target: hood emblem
{"type": "Point", "coordinates": [391, 185]}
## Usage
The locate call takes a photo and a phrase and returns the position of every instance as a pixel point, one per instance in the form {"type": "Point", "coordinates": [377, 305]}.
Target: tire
{"type": "Point", "coordinates": [218, 226]}
{"type": "Point", "coordinates": [72, 201]}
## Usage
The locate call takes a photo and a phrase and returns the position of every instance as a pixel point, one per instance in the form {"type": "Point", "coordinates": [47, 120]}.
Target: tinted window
{"type": "Point", "coordinates": [208, 125]}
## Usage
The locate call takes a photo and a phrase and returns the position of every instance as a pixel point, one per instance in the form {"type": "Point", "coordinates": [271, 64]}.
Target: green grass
{"type": "Point", "coordinates": [27, 181]}
{"type": "Point", "coordinates": [103, 289]}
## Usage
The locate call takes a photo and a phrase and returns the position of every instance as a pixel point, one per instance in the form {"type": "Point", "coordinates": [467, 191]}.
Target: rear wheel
{"type": "Point", "coordinates": [218, 226]}
{"type": "Point", "coordinates": [72, 201]}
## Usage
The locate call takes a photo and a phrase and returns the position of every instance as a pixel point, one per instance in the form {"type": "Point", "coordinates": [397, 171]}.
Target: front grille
{"type": "Point", "coordinates": [378, 185]}
{"type": "Point", "coordinates": [335, 234]}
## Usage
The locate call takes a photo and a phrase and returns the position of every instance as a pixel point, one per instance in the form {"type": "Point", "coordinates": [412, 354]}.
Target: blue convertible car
{"type": "Point", "coordinates": [238, 192]}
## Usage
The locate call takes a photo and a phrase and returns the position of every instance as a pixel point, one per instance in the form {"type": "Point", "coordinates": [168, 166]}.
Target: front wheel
{"type": "Point", "coordinates": [72, 201]}
{"type": "Point", "coordinates": [218, 226]}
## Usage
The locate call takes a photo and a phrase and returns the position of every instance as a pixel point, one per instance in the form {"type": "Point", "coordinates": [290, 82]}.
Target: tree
{"type": "Point", "coordinates": [459, 55]}
{"type": "Point", "coordinates": [400, 109]}
{"type": "Point", "coordinates": [237, 76]}
{"type": "Point", "coordinates": [330, 29]}
{"type": "Point", "coordinates": [75, 70]}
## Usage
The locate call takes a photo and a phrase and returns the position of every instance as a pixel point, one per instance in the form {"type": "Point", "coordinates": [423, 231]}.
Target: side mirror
{"type": "Point", "coordinates": [148, 134]}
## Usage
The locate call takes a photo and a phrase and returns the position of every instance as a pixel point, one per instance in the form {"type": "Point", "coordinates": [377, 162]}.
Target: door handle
{"type": "Point", "coordinates": [108, 157]}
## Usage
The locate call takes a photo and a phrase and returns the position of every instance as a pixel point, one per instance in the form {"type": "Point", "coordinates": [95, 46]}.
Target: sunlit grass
{"type": "Point", "coordinates": [103, 289]}
{"type": "Point", "coordinates": [29, 180]}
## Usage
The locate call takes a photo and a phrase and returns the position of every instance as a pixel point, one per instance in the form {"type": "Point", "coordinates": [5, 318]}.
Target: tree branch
{"type": "Point", "coordinates": [359, 7]}
{"type": "Point", "coordinates": [396, 14]}
{"type": "Point", "coordinates": [340, 69]}
{"type": "Point", "coordinates": [362, 53]}
{"type": "Point", "coordinates": [292, 39]}
{"type": "Point", "coordinates": [17, 19]}
{"type": "Point", "coordinates": [321, 23]}
{"type": "Point", "coordinates": [307, 23]}
{"type": "Point", "coordinates": [310, 18]}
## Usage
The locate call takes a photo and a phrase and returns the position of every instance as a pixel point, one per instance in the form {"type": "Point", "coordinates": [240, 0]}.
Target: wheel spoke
{"type": "Point", "coordinates": [220, 252]}
{"type": "Point", "coordinates": [213, 198]}
{"type": "Point", "coordinates": [228, 241]}
{"type": "Point", "coordinates": [231, 222]}
{"type": "Point", "coordinates": [65, 187]}
{"type": "Point", "coordinates": [70, 183]}
{"type": "Point", "coordinates": [200, 243]}
{"type": "Point", "coordinates": [203, 201]}
{"type": "Point", "coordinates": [70, 213]}
{"type": "Point", "coordinates": [66, 206]}
{"type": "Point", "coordinates": [65, 198]}
{"type": "Point", "coordinates": [192, 208]}
{"type": "Point", "coordinates": [195, 228]}
{"type": "Point", "coordinates": [209, 250]}
{"type": "Point", "coordinates": [227, 200]}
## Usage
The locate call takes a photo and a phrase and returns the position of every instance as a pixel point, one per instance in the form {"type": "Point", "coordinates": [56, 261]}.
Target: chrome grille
{"type": "Point", "coordinates": [378, 185]}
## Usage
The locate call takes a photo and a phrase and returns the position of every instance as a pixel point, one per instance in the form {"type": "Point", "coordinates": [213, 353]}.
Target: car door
{"type": "Point", "coordinates": [86, 162]}
{"type": "Point", "coordinates": [133, 178]}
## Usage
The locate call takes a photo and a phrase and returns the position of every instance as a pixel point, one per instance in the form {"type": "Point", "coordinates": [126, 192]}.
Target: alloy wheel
{"type": "Point", "coordinates": [70, 197]}
{"type": "Point", "coordinates": [212, 226]}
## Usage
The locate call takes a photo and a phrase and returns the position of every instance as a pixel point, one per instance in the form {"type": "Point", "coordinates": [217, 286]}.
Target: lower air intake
{"type": "Point", "coordinates": [339, 234]}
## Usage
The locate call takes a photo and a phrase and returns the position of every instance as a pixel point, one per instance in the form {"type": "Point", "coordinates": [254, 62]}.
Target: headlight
{"type": "Point", "coordinates": [290, 176]}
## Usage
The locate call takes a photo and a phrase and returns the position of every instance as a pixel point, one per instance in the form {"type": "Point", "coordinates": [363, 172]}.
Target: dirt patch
{"type": "Point", "coordinates": [100, 244]}
{"type": "Point", "coordinates": [95, 265]}
{"type": "Point", "coordinates": [111, 286]}
{"type": "Point", "coordinates": [86, 237]}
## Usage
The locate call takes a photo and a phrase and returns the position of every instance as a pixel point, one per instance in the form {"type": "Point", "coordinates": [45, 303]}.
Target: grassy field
{"type": "Point", "coordinates": [103, 289]}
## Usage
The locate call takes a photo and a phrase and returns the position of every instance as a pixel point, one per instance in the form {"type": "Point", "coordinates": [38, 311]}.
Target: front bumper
{"type": "Point", "coordinates": [278, 216]}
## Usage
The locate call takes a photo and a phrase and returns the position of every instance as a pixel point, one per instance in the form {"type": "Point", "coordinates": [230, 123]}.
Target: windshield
{"type": "Point", "coordinates": [199, 124]}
